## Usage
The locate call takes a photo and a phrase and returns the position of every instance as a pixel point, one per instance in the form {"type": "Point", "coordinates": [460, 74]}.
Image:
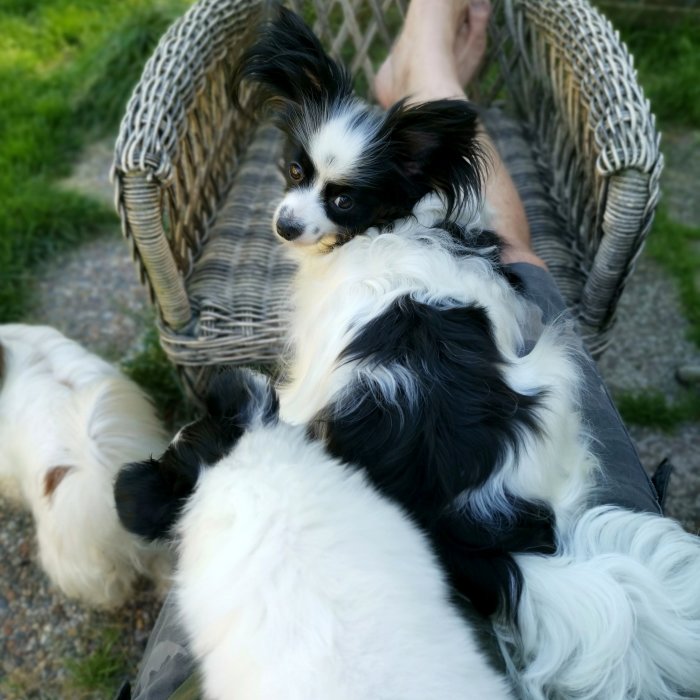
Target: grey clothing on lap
{"type": "Point", "coordinates": [623, 481]}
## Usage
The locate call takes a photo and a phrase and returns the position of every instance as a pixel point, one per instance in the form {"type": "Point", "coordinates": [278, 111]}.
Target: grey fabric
{"type": "Point", "coordinates": [623, 481]}
{"type": "Point", "coordinates": [167, 663]}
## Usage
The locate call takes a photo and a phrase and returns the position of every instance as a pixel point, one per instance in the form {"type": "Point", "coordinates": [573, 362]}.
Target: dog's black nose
{"type": "Point", "coordinates": [289, 229]}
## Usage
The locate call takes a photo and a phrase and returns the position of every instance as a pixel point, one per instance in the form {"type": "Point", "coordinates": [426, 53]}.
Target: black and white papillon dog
{"type": "Point", "coordinates": [408, 336]}
{"type": "Point", "coordinates": [295, 578]}
{"type": "Point", "coordinates": [414, 355]}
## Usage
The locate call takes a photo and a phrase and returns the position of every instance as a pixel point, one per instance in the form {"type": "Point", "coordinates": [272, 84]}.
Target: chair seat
{"type": "Point", "coordinates": [239, 284]}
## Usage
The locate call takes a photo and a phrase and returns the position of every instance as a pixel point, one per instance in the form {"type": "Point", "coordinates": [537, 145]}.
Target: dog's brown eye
{"type": "Point", "coordinates": [296, 172]}
{"type": "Point", "coordinates": [343, 201]}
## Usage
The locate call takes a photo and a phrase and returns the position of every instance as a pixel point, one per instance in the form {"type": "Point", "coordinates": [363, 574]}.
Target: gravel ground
{"type": "Point", "coordinates": [44, 634]}
{"type": "Point", "coordinates": [92, 296]}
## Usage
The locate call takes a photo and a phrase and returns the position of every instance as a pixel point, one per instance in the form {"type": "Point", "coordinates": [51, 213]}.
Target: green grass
{"type": "Point", "coordinates": [66, 70]}
{"type": "Point", "coordinates": [652, 410]}
{"type": "Point", "coordinates": [666, 49]}
{"type": "Point", "coordinates": [677, 248]}
{"type": "Point", "coordinates": [152, 370]}
{"type": "Point", "coordinates": [98, 674]}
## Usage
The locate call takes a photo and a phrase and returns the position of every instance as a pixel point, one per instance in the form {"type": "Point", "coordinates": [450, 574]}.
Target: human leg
{"type": "Point", "coordinates": [438, 52]}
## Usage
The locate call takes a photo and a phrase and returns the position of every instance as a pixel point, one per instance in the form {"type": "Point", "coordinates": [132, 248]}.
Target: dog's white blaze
{"type": "Point", "coordinates": [339, 148]}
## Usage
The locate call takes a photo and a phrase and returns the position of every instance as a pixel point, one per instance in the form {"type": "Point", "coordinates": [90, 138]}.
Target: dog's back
{"type": "Point", "coordinates": [295, 578]}
{"type": "Point", "coordinates": [290, 561]}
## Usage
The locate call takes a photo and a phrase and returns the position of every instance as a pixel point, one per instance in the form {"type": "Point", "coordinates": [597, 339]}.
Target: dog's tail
{"type": "Point", "coordinates": [616, 614]}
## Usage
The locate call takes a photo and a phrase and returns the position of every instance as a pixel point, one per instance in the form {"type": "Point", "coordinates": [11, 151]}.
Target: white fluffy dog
{"type": "Point", "coordinates": [68, 421]}
{"type": "Point", "coordinates": [296, 579]}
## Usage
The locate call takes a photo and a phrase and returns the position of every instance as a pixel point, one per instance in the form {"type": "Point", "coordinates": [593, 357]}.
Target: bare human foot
{"type": "Point", "coordinates": [470, 43]}
{"type": "Point", "coordinates": [438, 52]}
{"type": "Point", "coordinates": [419, 67]}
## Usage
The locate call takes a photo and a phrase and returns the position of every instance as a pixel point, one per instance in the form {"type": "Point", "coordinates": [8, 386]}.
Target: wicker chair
{"type": "Point", "coordinates": [197, 181]}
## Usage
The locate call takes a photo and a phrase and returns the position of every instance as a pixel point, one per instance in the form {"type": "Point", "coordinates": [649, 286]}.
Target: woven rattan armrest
{"type": "Point", "coordinates": [573, 83]}
{"type": "Point", "coordinates": [179, 145]}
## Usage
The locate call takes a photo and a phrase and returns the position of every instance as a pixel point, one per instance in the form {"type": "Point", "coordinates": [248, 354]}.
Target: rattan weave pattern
{"type": "Point", "coordinates": [196, 187]}
{"type": "Point", "coordinates": [594, 122]}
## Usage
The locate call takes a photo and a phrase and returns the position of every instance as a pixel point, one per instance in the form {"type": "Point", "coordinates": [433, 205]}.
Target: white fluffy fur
{"type": "Point", "coordinates": [615, 615]}
{"type": "Point", "coordinates": [61, 406]}
{"type": "Point", "coordinates": [296, 580]}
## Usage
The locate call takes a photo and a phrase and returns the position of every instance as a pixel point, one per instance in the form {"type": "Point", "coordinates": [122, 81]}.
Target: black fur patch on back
{"type": "Point", "coordinates": [450, 434]}
{"type": "Point", "coordinates": [150, 494]}
{"type": "Point", "coordinates": [486, 244]}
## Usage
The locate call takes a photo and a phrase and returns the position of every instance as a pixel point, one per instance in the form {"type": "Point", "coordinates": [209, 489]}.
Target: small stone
{"type": "Point", "coordinates": [688, 374]}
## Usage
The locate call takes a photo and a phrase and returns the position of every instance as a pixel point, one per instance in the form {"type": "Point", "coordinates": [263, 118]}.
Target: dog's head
{"type": "Point", "coordinates": [150, 495]}
{"type": "Point", "coordinates": [348, 166]}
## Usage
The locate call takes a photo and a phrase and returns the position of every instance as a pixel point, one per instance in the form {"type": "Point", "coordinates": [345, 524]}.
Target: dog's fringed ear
{"type": "Point", "coordinates": [243, 397]}
{"type": "Point", "coordinates": [433, 146]}
{"type": "Point", "coordinates": [289, 62]}
{"type": "Point", "coordinates": [149, 496]}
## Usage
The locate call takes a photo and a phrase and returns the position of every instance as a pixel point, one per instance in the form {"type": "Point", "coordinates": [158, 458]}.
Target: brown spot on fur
{"type": "Point", "coordinates": [53, 478]}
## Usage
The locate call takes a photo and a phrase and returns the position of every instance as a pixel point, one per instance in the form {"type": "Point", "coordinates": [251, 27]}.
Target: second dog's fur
{"type": "Point", "coordinates": [295, 578]}
{"type": "Point", "coordinates": [68, 421]}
